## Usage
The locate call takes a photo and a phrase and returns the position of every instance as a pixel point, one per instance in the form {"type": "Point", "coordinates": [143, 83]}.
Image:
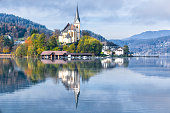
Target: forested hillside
{"type": "Point", "coordinates": [94, 35]}
{"type": "Point", "coordinates": [19, 27]}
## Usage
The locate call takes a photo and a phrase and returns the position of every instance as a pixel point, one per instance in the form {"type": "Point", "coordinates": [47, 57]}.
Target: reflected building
{"type": "Point", "coordinates": [150, 66]}
{"type": "Point", "coordinates": [163, 62]}
{"type": "Point", "coordinates": [108, 63]}
{"type": "Point", "coordinates": [119, 61]}
{"type": "Point", "coordinates": [71, 80]}
{"type": "Point", "coordinates": [112, 63]}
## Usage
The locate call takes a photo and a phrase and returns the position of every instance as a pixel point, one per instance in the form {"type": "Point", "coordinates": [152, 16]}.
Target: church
{"type": "Point", "coordinates": [71, 33]}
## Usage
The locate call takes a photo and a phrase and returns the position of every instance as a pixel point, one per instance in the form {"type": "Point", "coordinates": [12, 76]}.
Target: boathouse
{"type": "Point", "coordinates": [62, 54]}
{"type": "Point", "coordinates": [53, 54]}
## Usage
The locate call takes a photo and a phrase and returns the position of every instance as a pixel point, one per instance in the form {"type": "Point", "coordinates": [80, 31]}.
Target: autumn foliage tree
{"type": "Point", "coordinates": [72, 48]}
{"type": "Point", "coordinates": [51, 43]}
{"type": "Point", "coordinates": [88, 44]}
{"type": "Point", "coordinates": [37, 43]}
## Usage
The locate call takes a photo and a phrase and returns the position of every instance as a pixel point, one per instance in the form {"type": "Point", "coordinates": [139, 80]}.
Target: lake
{"type": "Point", "coordinates": [118, 85]}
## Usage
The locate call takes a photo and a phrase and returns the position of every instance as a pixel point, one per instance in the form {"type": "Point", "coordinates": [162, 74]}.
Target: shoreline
{"type": "Point", "coordinates": [10, 56]}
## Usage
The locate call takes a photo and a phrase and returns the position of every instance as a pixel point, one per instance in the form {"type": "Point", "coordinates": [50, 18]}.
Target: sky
{"type": "Point", "coordinates": [113, 19]}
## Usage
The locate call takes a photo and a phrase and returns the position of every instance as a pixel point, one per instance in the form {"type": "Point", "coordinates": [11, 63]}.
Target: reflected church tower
{"type": "Point", "coordinates": [71, 80]}
{"type": "Point", "coordinates": [77, 88]}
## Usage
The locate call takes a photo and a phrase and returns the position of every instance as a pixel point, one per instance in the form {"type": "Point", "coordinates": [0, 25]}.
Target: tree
{"type": "Point", "coordinates": [21, 50]}
{"type": "Point", "coordinates": [72, 48]}
{"type": "Point", "coordinates": [41, 41]}
{"type": "Point", "coordinates": [34, 31]}
{"type": "Point", "coordinates": [57, 49]}
{"type": "Point", "coordinates": [30, 51]}
{"type": "Point", "coordinates": [88, 44]}
{"type": "Point", "coordinates": [126, 50]}
{"type": "Point", "coordinates": [65, 48]}
{"type": "Point", "coordinates": [52, 43]}
{"type": "Point", "coordinates": [6, 49]}
{"type": "Point", "coordinates": [40, 50]}
{"type": "Point", "coordinates": [1, 43]}
{"type": "Point", "coordinates": [34, 39]}
{"type": "Point", "coordinates": [38, 43]}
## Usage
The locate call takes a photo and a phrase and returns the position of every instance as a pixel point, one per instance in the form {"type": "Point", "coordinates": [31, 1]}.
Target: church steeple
{"type": "Point", "coordinates": [77, 18]}
{"type": "Point", "coordinates": [77, 23]}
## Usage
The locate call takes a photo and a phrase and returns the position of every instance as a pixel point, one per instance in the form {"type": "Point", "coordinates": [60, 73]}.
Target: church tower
{"type": "Point", "coordinates": [77, 23]}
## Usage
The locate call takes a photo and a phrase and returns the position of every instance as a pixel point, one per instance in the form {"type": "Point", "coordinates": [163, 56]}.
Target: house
{"type": "Point", "coordinates": [9, 37]}
{"type": "Point", "coordinates": [108, 47]}
{"type": "Point", "coordinates": [71, 33]}
{"type": "Point", "coordinates": [119, 51]}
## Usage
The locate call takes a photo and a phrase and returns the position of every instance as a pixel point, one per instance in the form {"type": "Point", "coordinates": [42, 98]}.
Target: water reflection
{"type": "Point", "coordinates": [71, 80]}
{"type": "Point", "coordinates": [11, 79]}
{"type": "Point", "coordinates": [28, 71]}
{"type": "Point", "coordinates": [16, 74]}
{"type": "Point", "coordinates": [20, 73]}
{"type": "Point", "coordinates": [151, 66]}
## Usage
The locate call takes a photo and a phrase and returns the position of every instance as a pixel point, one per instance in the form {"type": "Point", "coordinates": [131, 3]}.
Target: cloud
{"type": "Point", "coordinates": [152, 11]}
{"type": "Point", "coordinates": [111, 18]}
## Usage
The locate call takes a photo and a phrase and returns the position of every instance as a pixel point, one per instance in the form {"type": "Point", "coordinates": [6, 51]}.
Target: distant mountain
{"type": "Point", "coordinates": [154, 46]}
{"type": "Point", "coordinates": [150, 35]}
{"type": "Point", "coordinates": [151, 46]}
{"type": "Point", "coordinates": [19, 27]}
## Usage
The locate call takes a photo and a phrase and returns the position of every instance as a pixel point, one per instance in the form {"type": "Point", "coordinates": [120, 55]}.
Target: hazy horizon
{"type": "Point", "coordinates": [116, 19]}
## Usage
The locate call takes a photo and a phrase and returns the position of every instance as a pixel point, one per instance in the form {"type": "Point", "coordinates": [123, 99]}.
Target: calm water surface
{"type": "Point", "coordinates": [119, 85]}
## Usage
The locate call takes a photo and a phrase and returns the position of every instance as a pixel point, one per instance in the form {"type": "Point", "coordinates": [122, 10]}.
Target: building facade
{"type": "Point", "coordinates": [108, 48]}
{"type": "Point", "coordinates": [119, 51]}
{"type": "Point", "coordinates": [71, 33]}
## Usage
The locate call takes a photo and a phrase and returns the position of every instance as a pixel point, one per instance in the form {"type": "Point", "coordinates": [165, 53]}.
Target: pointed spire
{"type": "Point", "coordinates": [77, 18]}
{"type": "Point", "coordinates": [77, 97]}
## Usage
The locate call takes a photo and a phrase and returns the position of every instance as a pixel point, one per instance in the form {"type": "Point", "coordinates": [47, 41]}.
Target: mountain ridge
{"type": "Point", "coordinates": [153, 46]}
{"type": "Point", "coordinates": [149, 35]}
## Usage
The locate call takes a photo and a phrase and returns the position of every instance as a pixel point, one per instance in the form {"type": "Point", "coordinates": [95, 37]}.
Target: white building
{"type": "Point", "coordinates": [71, 33]}
{"type": "Point", "coordinates": [108, 47]}
{"type": "Point", "coordinates": [119, 51]}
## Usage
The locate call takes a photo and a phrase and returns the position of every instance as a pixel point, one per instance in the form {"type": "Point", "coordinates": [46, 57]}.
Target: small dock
{"type": "Point", "coordinates": [5, 55]}
{"type": "Point", "coordinates": [147, 56]}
